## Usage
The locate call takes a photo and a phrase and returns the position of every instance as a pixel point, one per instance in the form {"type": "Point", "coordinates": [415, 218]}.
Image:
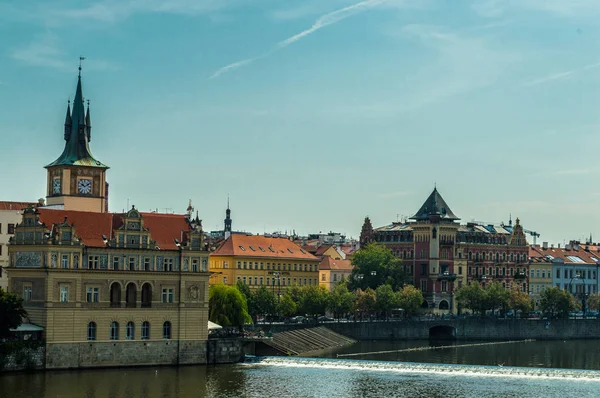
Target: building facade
{"type": "Point", "coordinates": [332, 270]}
{"type": "Point", "coordinates": [440, 254]}
{"type": "Point", "coordinates": [10, 215]}
{"type": "Point", "coordinates": [108, 289]}
{"type": "Point", "coordinates": [259, 260]}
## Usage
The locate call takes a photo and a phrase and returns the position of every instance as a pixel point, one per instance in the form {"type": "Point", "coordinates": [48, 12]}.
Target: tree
{"type": "Point", "coordinates": [495, 297]}
{"type": "Point", "coordinates": [471, 297]}
{"type": "Point", "coordinates": [520, 301]}
{"type": "Point", "coordinates": [385, 299]}
{"type": "Point", "coordinates": [313, 300]}
{"type": "Point", "coordinates": [557, 302]}
{"type": "Point", "coordinates": [365, 301]}
{"type": "Point", "coordinates": [227, 306]}
{"type": "Point", "coordinates": [11, 313]}
{"type": "Point", "coordinates": [375, 265]}
{"type": "Point", "coordinates": [287, 306]}
{"type": "Point", "coordinates": [341, 301]}
{"type": "Point", "coordinates": [409, 299]}
{"type": "Point", "coordinates": [593, 302]}
{"type": "Point", "coordinates": [264, 301]}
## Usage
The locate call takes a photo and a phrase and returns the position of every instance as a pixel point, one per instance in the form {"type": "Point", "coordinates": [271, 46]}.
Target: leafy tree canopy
{"type": "Point", "coordinates": [227, 306]}
{"type": "Point", "coordinates": [11, 312]}
{"type": "Point", "coordinates": [375, 265]}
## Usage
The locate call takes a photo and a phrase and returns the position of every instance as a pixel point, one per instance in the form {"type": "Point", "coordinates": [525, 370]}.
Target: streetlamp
{"type": "Point", "coordinates": [577, 294]}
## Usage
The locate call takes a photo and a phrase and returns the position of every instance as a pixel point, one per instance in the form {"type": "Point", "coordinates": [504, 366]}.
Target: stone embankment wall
{"type": "Point", "coordinates": [125, 353]}
{"type": "Point", "coordinates": [464, 329]}
{"type": "Point", "coordinates": [23, 358]}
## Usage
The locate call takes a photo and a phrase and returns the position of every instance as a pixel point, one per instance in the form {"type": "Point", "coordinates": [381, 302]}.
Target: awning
{"type": "Point", "coordinates": [213, 326]}
{"type": "Point", "coordinates": [28, 327]}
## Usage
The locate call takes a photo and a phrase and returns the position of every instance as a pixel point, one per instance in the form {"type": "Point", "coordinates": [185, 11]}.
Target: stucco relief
{"type": "Point", "coordinates": [28, 259]}
{"type": "Point", "coordinates": [54, 260]}
{"type": "Point", "coordinates": [186, 264]}
{"type": "Point", "coordinates": [103, 261]}
{"type": "Point", "coordinates": [193, 293]}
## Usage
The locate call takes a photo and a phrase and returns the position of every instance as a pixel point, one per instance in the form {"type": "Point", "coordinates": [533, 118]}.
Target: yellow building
{"type": "Point", "coordinates": [332, 271]}
{"type": "Point", "coordinates": [263, 261]}
{"type": "Point", "coordinates": [108, 289]}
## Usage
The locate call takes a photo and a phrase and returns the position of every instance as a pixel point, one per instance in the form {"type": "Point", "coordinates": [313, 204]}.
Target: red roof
{"type": "Point", "coordinates": [339, 265]}
{"type": "Point", "coordinates": [322, 249]}
{"type": "Point", "coordinates": [569, 256]}
{"type": "Point", "coordinates": [90, 226]}
{"type": "Point", "coordinates": [262, 246]}
{"type": "Point", "coordinates": [16, 205]}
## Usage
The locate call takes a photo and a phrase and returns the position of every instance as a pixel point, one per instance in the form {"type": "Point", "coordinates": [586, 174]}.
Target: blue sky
{"type": "Point", "coordinates": [312, 114]}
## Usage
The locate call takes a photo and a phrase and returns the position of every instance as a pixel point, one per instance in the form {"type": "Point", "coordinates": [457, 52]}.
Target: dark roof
{"type": "Point", "coordinates": [77, 136]}
{"type": "Point", "coordinates": [434, 205]}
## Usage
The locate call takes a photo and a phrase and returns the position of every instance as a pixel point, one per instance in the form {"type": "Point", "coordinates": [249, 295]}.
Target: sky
{"type": "Point", "coordinates": [312, 114]}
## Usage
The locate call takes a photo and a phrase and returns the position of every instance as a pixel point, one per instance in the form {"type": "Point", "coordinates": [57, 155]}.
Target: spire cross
{"type": "Point", "coordinates": [80, 60]}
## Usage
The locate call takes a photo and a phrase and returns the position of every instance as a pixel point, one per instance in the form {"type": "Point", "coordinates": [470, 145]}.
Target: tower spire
{"type": "Point", "coordinates": [68, 121]}
{"type": "Point", "coordinates": [88, 123]}
{"type": "Point", "coordinates": [227, 221]}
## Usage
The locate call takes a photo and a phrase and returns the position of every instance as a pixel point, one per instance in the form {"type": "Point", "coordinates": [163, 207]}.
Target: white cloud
{"type": "Point", "coordinates": [560, 75]}
{"type": "Point", "coordinates": [323, 21]}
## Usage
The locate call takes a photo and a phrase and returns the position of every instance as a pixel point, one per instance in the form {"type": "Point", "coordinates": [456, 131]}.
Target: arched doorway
{"type": "Point", "coordinates": [115, 295]}
{"type": "Point", "coordinates": [146, 295]}
{"type": "Point", "coordinates": [131, 295]}
{"type": "Point", "coordinates": [425, 304]}
{"type": "Point", "coordinates": [444, 305]}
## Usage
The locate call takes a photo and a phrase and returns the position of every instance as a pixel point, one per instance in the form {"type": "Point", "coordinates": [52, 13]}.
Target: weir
{"type": "Point", "coordinates": [296, 342]}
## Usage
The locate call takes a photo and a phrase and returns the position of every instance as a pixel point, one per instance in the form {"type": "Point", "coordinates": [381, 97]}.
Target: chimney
{"type": "Point", "coordinates": [545, 245]}
{"type": "Point", "coordinates": [568, 246]}
{"type": "Point", "coordinates": [41, 202]}
{"type": "Point", "coordinates": [559, 245]}
{"type": "Point", "coordinates": [587, 248]}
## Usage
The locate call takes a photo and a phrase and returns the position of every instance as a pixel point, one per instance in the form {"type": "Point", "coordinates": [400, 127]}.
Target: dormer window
{"type": "Point", "coordinates": [261, 249]}
{"type": "Point", "coordinates": [242, 248]}
{"type": "Point", "coordinates": [251, 248]}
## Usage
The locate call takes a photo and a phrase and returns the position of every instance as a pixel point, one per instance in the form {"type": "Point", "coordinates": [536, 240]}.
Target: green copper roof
{"type": "Point", "coordinates": [77, 136]}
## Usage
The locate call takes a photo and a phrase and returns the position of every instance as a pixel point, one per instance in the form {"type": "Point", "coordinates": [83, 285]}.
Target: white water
{"type": "Point", "coordinates": [437, 369]}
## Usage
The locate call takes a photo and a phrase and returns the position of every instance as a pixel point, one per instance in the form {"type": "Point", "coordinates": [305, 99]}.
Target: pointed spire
{"type": "Point", "coordinates": [68, 121]}
{"type": "Point", "coordinates": [88, 122]}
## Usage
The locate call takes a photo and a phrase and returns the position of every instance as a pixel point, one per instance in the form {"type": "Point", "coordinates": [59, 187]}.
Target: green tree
{"type": "Point", "coordinates": [472, 297]}
{"type": "Point", "coordinates": [227, 306]}
{"type": "Point", "coordinates": [374, 265]}
{"type": "Point", "coordinates": [287, 306]}
{"type": "Point", "coordinates": [341, 300]}
{"type": "Point", "coordinates": [520, 301]}
{"type": "Point", "coordinates": [557, 302]}
{"type": "Point", "coordinates": [11, 313]}
{"type": "Point", "coordinates": [365, 301]}
{"type": "Point", "coordinates": [313, 300]}
{"type": "Point", "coordinates": [410, 299]}
{"type": "Point", "coordinates": [593, 302]}
{"type": "Point", "coordinates": [495, 297]}
{"type": "Point", "coordinates": [264, 301]}
{"type": "Point", "coordinates": [385, 299]}
{"type": "Point", "coordinates": [247, 293]}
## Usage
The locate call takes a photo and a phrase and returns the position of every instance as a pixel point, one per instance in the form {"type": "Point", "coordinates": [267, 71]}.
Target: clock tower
{"type": "Point", "coordinates": [76, 180]}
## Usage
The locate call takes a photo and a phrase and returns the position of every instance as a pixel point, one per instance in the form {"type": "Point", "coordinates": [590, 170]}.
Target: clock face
{"type": "Point", "coordinates": [56, 186]}
{"type": "Point", "coordinates": [84, 186]}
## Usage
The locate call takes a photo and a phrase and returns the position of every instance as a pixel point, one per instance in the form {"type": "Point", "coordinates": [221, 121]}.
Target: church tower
{"type": "Point", "coordinates": [77, 181]}
{"type": "Point", "coordinates": [227, 229]}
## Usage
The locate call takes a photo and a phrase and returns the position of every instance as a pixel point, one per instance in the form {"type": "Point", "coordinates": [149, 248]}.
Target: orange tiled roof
{"type": "Point", "coordinates": [339, 265]}
{"type": "Point", "coordinates": [90, 226]}
{"type": "Point", "coordinates": [322, 249]}
{"type": "Point", "coordinates": [5, 205]}
{"type": "Point", "coordinates": [569, 256]}
{"type": "Point", "coordinates": [262, 246]}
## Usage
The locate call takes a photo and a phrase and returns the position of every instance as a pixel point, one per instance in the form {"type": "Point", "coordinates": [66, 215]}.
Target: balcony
{"type": "Point", "coordinates": [447, 276]}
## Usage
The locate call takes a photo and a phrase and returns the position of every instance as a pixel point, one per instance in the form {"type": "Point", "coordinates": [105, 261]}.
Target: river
{"type": "Point", "coordinates": [408, 369]}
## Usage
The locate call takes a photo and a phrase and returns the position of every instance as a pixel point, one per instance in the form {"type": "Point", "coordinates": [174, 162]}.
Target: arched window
{"type": "Point", "coordinates": [114, 330]}
{"type": "Point", "coordinates": [91, 331]}
{"type": "Point", "coordinates": [167, 330]}
{"type": "Point", "coordinates": [130, 331]}
{"type": "Point", "coordinates": [131, 295]}
{"type": "Point", "coordinates": [145, 330]}
{"type": "Point", "coordinates": [115, 295]}
{"type": "Point", "coordinates": [503, 256]}
{"type": "Point", "coordinates": [146, 295]}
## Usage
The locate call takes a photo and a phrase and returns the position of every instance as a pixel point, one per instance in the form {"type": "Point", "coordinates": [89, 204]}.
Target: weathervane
{"type": "Point", "coordinates": [80, 60]}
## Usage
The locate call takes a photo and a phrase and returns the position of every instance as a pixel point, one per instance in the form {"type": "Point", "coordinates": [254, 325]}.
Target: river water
{"type": "Point", "coordinates": [407, 369]}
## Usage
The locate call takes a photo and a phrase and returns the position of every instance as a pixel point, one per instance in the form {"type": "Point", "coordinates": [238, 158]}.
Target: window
{"type": "Point", "coordinates": [91, 331]}
{"type": "Point", "coordinates": [130, 331]}
{"type": "Point", "coordinates": [146, 264]}
{"type": "Point", "coordinates": [558, 273]}
{"type": "Point", "coordinates": [195, 265]}
{"type": "Point", "coordinates": [423, 269]}
{"type": "Point", "coordinates": [64, 261]}
{"type": "Point", "coordinates": [239, 265]}
{"type": "Point", "coordinates": [168, 264]}
{"type": "Point", "coordinates": [131, 263]}
{"type": "Point", "coordinates": [423, 285]}
{"type": "Point", "coordinates": [93, 295]}
{"type": "Point", "coordinates": [225, 280]}
{"type": "Point", "coordinates": [27, 293]}
{"type": "Point", "coordinates": [115, 263]}
{"type": "Point", "coordinates": [11, 229]}
{"type": "Point", "coordinates": [256, 280]}
{"type": "Point", "coordinates": [459, 270]}
{"type": "Point", "coordinates": [145, 330]}
{"type": "Point", "coordinates": [261, 280]}
{"type": "Point", "coordinates": [225, 264]}
{"type": "Point", "coordinates": [323, 277]}
{"type": "Point", "coordinates": [64, 294]}
{"type": "Point", "coordinates": [242, 248]}
{"type": "Point", "coordinates": [167, 296]}
{"type": "Point", "coordinates": [444, 286]}
{"type": "Point", "coordinates": [93, 262]}
{"type": "Point", "coordinates": [114, 330]}
{"type": "Point", "coordinates": [335, 277]}
{"type": "Point", "coordinates": [167, 330]}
